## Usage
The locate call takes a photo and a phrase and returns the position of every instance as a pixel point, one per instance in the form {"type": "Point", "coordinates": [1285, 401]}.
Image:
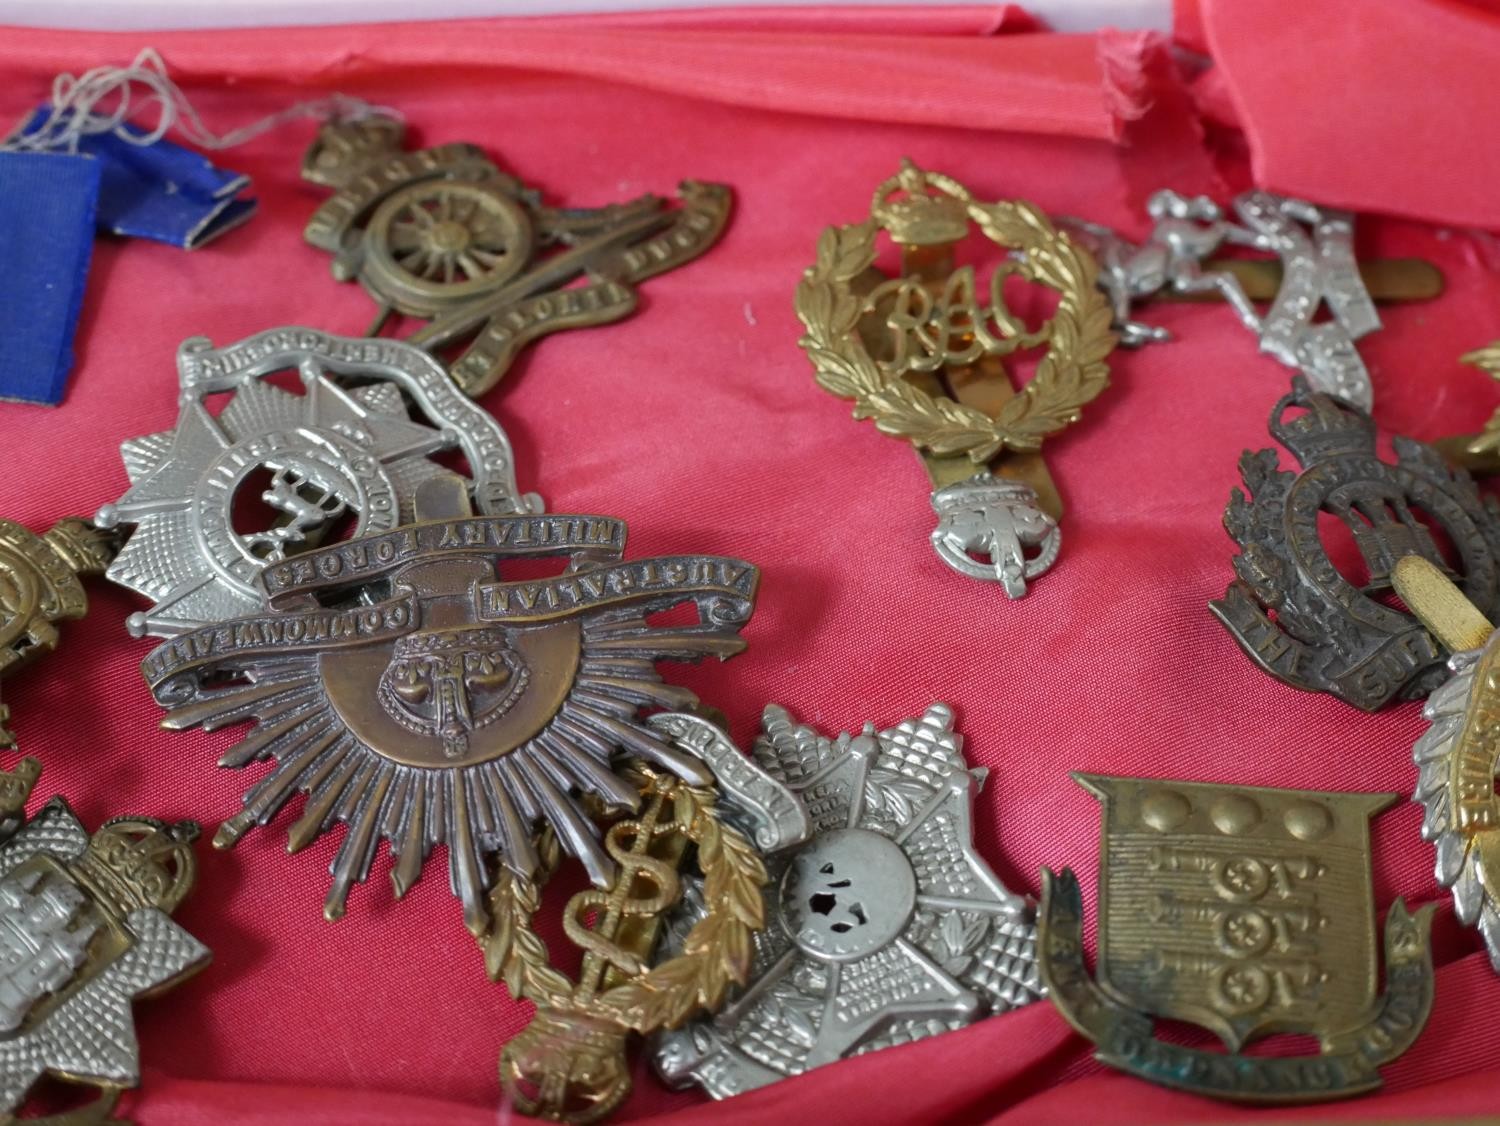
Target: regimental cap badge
{"type": "Point", "coordinates": [1458, 756]}
{"type": "Point", "coordinates": [85, 929]}
{"type": "Point", "coordinates": [884, 924]}
{"type": "Point", "coordinates": [1315, 270]}
{"type": "Point", "coordinates": [1333, 630]}
{"type": "Point", "coordinates": [686, 844]}
{"type": "Point", "coordinates": [39, 587]}
{"type": "Point", "coordinates": [254, 473]}
{"type": "Point", "coordinates": [442, 235]}
{"type": "Point", "coordinates": [1246, 911]}
{"type": "Point", "coordinates": [924, 355]}
{"type": "Point", "coordinates": [421, 700]}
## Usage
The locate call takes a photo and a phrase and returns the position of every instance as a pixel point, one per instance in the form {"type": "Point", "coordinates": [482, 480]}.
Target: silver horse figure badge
{"type": "Point", "coordinates": [887, 926]}
{"type": "Point", "coordinates": [1316, 248]}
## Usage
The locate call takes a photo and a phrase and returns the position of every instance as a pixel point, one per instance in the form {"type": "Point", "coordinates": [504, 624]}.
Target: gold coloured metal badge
{"type": "Point", "coordinates": [922, 355]}
{"type": "Point", "coordinates": [569, 1063]}
{"type": "Point", "coordinates": [39, 587]}
{"type": "Point", "coordinates": [1245, 911]}
{"type": "Point", "coordinates": [442, 235]}
{"type": "Point", "coordinates": [85, 929]}
{"type": "Point", "coordinates": [1478, 453]}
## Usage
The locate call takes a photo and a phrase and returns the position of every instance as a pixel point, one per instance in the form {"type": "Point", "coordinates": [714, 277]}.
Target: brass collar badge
{"type": "Point", "coordinates": [39, 587]}
{"type": "Point", "coordinates": [923, 356]}
{"type": "Point", "coordinates": [85, 929]}
{"type": "Point", "coordinates": [442, 235]}
{"type": "Point", "coordinates": [1245, 911]}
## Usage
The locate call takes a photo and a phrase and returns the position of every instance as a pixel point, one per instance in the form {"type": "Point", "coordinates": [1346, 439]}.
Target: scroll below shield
{"type": "Point", "coordinates": [1246, 911]}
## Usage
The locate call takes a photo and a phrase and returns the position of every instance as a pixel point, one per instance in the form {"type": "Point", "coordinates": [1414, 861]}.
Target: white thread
{"type": "Point", "coordinates": [75, 111]}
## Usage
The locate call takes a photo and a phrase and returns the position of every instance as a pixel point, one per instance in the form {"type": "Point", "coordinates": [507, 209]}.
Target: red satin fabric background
{"type": "Point", "coordinates": [698, 421]}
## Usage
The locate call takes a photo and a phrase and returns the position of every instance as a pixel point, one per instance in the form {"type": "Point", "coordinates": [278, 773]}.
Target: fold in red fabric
{"type": "Point", "coordinates": [1050, 84]}
{"type": "Point", "coordinates": [698, 421]}
{"type": "Point", "coordinates": [1375, 105]}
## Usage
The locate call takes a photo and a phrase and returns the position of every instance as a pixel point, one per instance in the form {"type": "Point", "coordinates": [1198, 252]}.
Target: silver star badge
{"type": "Point", "coordinates": [242, 484]}
{"type": "Point", "coordinates": [84, 930]}
{"type": "Point", "coordinates": [884, 925]}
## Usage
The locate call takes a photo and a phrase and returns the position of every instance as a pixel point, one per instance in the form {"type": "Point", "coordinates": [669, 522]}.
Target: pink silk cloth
{"type": "Point", "coordinates": [698, 421]}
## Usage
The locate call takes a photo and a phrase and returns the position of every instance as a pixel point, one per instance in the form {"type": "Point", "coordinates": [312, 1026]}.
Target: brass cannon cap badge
{"type": "Point", "coordinates": [1246, 911]}
{"type": "Point", "coordinates": [443, 235]}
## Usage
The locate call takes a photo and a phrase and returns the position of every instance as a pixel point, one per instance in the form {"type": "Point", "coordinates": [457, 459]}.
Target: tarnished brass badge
{"type": "Point", "coordinates": [443, 235]}
{"type": "Point", "coordinates": [923, 355]}
{"type": "Point", "coordinates": [39, 587]}
{"type": "Point", "coordinates": [569, 1062]}
{"type": "Point", "coordinates": [1331, 632]}
{"type": "Point", "coordinates": [420, 701]}
{"type": "Point", "coordinates": [1245, 911]}
{"type": "Point", "coordinates": [85, 929]}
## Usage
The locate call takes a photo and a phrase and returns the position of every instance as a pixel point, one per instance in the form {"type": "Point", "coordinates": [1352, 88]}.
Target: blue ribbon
{"type": "Point", "coordinates": [160, 191]}
{"type": "Point", "coordinates": [47, 209]}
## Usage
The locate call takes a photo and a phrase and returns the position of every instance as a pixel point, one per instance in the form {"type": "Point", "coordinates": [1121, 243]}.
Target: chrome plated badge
{"type": "Point", "coordinates": [1331, 632]}
{"type": "Point", "coordinates": [419, 701]}
{"type": "Point", "coordinates": [443, 235]}
{"type": "Point", "coordinates": [1458, 756]}
{"type": "Point", "coordinates": [998, 519]}
{"type": "Point", "coordinates": [85, 929]}
{"type": "Point", "coordinates": [1245, 911]}
{"type": "Point", "coordinates": [1315, 246]}
{"type": "Point", "coordinates": [884, 925]}
{"type": "Point", "coordinates": [346, 454]}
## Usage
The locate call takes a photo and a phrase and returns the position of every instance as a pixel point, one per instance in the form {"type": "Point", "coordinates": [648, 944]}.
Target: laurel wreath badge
{"type": "Point", "coordinates": [569, 1063]}
{"type": "Point", "coordinates": [1078, 337]}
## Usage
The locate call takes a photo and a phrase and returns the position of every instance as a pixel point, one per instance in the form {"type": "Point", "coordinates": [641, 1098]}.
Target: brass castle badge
{"type": "Point", "coordinates": [1245, 911]}
{"type": "Point", "coordinates": [85, 929]}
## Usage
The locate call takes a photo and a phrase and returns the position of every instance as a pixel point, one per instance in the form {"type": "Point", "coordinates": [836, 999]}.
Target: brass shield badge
{"type": "Point", "coordinates": [1245, 911]}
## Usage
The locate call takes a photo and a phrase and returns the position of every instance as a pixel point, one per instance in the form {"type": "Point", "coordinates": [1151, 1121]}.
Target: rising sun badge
{"type": "Point", "coordinates": [415, 695]}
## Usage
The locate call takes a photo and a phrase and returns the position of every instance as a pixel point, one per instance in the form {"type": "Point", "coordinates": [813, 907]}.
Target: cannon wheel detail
{"type": "Point", "coordinates": [438, 243]}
